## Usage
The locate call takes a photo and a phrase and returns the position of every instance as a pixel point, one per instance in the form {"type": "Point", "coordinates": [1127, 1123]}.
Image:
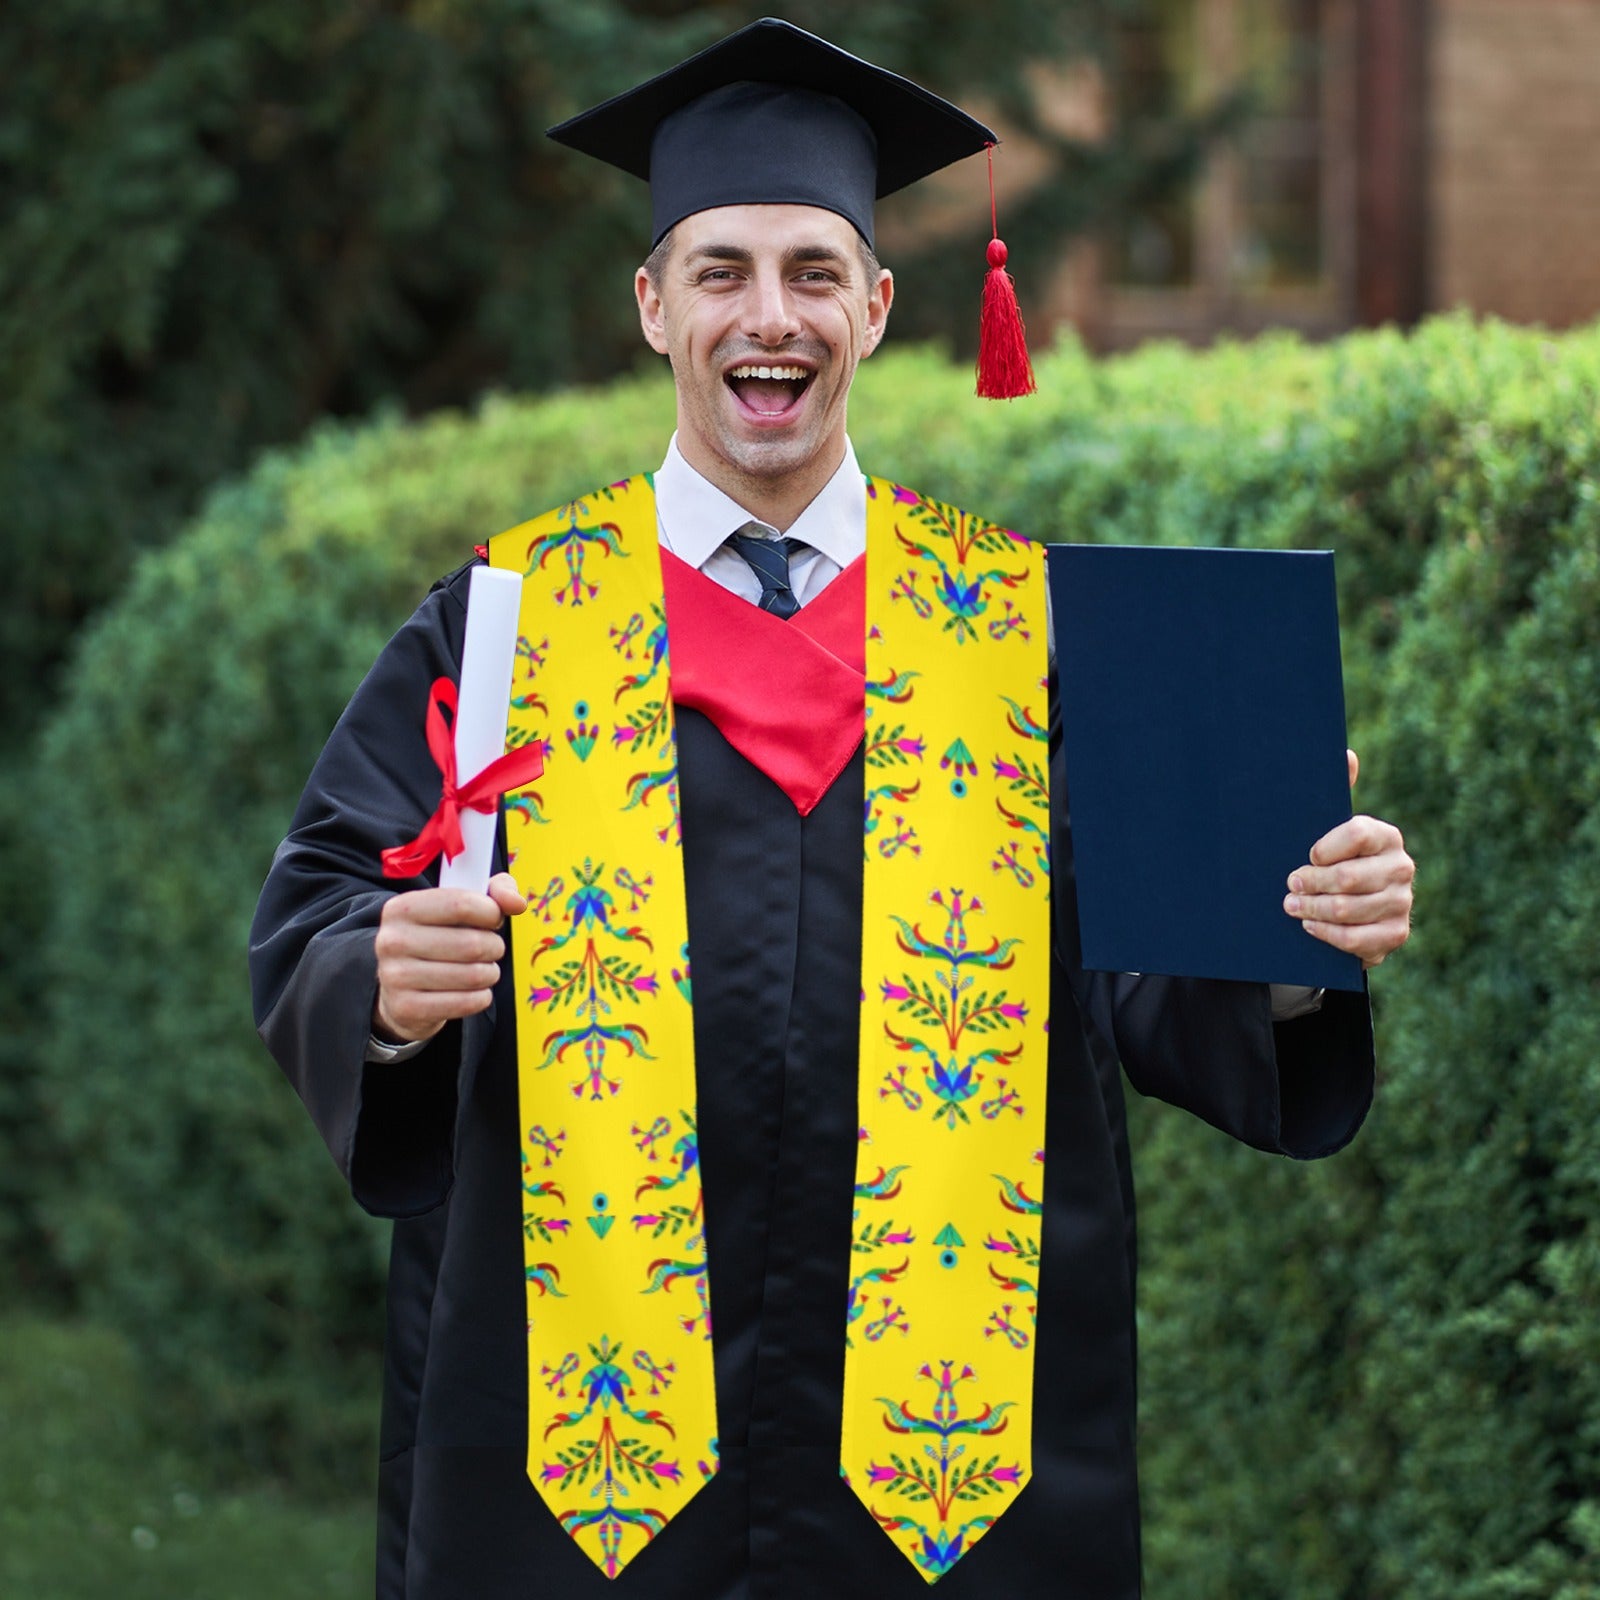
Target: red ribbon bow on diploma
{"type": "Point", "coordinates": [442, 831]}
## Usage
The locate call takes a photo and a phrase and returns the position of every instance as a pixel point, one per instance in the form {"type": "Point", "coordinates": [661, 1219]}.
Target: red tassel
{"type": "Point", "coordinates": [1004, 370]}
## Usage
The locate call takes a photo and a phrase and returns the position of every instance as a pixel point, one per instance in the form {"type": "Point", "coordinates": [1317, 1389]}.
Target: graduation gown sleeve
{"type": "Point", "coordinates": [313, 966]}
{"type": "Point", "coordinates": [1299, 1088]}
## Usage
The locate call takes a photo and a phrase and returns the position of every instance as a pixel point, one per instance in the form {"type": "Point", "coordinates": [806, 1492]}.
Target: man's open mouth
{"type": "Point", "coordinates": [769, 391]}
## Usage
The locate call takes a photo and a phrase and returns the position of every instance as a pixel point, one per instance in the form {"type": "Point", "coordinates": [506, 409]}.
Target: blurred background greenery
{"type": "Point", "coordinates": [295, 307]}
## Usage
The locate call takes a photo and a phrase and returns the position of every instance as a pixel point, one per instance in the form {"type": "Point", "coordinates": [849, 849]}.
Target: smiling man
{"type": "Point", "coordinates": [763, 1212]}
{"type": "Point", "coordinates": [728, 291]}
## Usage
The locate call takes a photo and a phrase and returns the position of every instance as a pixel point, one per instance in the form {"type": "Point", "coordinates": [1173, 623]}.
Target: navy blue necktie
{"type": "Point", "coordinates": [769, 560]}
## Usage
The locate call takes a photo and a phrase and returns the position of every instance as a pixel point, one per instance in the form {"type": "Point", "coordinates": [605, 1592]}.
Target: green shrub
{"type": "Point", "coordinates": [195, 1209]}
{"type": "Point", "coordinates": [1371, 1378]}
{"type": "Point", "coordinates": [95, 1499]}
{"type": "Point", "coordinates": [1376, 1378]}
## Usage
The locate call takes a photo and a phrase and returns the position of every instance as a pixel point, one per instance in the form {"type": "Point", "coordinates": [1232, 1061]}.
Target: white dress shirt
{"type": "Point", "coordinates": [694, 518]}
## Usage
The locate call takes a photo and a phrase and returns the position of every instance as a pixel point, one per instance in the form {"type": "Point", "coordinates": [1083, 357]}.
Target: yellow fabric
{"type": "Point", "coordinates": [944, 1264]}
{"type": "Point", "coordinates": [955, 977]}
{"type": "Point", "coordinates": [621, 1403]}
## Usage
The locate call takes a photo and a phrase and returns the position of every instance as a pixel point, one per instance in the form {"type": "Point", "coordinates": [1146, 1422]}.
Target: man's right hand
{"type": "Point", "coordinates": [439, 957]}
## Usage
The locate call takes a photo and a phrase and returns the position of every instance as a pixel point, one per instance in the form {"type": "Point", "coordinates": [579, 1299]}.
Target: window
{"type": "Point", "coordinates": [1264, 236]}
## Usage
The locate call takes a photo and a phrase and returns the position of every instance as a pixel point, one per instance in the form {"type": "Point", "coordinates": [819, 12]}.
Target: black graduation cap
{"type": "Point", "coordinates": [774, 115]}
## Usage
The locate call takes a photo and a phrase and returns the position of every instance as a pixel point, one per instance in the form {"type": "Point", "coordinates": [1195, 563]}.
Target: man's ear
{"type": "Point", "coordinates": [878, 303]}
{"type": "Point", "coordinates": [652, 315]}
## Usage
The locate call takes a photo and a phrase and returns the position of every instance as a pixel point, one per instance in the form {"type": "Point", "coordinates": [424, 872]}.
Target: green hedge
{"type": "Point", "coordinates": [193, 1205]}
{"type": "Point", "coordinates": [1371, 1378]}
{"type": "Point", "coordinates": [1377, 1377]}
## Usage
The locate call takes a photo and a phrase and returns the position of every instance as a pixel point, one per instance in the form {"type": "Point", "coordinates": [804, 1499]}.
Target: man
{"type": "Point", "coordinates": [533, 1443]}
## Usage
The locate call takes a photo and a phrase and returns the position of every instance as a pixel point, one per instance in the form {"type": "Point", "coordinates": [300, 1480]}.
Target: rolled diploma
{"type": "Point", "coordinates": [494, 599]}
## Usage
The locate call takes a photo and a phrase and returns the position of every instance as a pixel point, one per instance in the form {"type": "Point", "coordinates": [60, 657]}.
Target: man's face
{"type": "Point", "coordinates": [764, 311]}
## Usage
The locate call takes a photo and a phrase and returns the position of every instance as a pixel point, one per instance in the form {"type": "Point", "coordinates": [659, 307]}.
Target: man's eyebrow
{"type": "Point", "coordinates": [817, 254]}
{"type": "Point", "coordinates": [738, 255]}
{"type": "Point", "coordinates": [720, 252]}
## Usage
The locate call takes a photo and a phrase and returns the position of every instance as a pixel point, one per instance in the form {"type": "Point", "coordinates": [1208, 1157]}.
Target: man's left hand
{"type": "Point", "coordinates": [1355, 893]}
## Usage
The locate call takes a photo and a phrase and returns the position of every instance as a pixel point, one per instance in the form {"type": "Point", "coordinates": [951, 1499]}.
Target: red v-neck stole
{"type": "Point", "coordinates": [789, 696]}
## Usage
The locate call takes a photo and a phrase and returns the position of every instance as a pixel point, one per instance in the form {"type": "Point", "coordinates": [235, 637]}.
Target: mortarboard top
{"type": "Point", "coordinates": [774, 115]}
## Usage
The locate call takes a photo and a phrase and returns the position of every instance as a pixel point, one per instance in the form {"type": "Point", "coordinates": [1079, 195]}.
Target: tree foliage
{"type": "Point", "coordinates": [218, 224]}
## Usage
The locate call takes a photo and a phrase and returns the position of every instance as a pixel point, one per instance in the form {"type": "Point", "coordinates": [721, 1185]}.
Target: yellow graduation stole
{"type": "Point", "coordinates": [944, 1262]}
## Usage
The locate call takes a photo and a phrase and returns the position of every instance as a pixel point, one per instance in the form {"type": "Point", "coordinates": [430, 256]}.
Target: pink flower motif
{"type": "Point", "coordinates": [879, 1474]}
{"type": "Point", "coordinates": [670, 1470]}
{"type": "Point", "coordinates": [646, 983]}
{"type": "Point", "coordinates": [906, 497]}
{"type": "Point", "coordinates": [552, 1472]}
{"type": "Point", "coordinates": [1017, 1013]}
{"type": "Point", "coordinates": [623, 736]}
{"type": "Point", "coordinates": [537, 997]}
{"type": "Point", "coordinates": [895, 991]}
{"type": "Point", "coordinates": [1007, 1474]}
{"type": "Point", "coordinates": [910, 747]}
{"type": "Point", "coordinates": [1004, 769]}
{"type": "Point", "coordinates": [1004, 1246]}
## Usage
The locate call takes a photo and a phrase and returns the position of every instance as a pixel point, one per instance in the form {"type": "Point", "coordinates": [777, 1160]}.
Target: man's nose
{"type": "Point", "coordinates": [772, 320]}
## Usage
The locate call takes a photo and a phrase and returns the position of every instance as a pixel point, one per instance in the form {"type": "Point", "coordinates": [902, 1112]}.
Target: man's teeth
{"type": "Point", "coordinates": [797, 374]}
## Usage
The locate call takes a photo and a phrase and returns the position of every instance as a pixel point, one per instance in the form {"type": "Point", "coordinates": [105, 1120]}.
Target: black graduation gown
{"type": "Point", "coordinates": [774, 905]}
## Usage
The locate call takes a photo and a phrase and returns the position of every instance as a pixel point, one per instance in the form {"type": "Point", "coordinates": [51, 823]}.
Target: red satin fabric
{"type": "Point", "coordinates": [442, 831]}
{"type": "Point", "coordinates": [789, 696]}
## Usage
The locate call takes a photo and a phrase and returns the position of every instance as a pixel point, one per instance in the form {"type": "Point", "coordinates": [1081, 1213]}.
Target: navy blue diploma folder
{"type": "Point", "coordinates": [1202, 711]}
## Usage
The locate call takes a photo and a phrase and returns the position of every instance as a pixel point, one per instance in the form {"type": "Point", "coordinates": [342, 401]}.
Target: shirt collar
{"type": "Point", "coordinates": [696, 517]}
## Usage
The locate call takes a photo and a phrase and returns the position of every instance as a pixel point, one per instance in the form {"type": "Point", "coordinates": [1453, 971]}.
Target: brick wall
{"type": "Point", "coordinates": [1514, 177]}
